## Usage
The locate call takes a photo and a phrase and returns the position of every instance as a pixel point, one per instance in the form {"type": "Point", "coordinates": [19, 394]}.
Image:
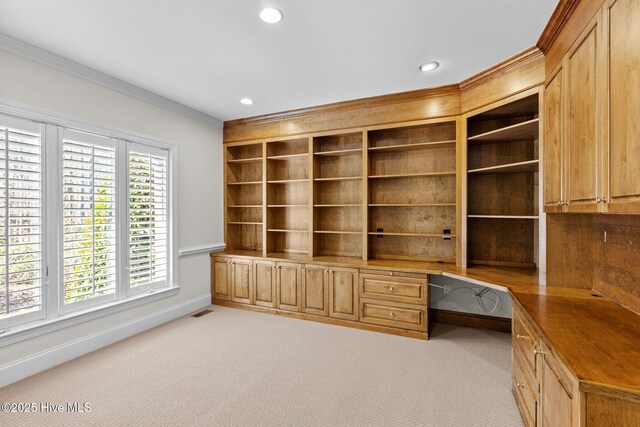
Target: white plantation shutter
{"type": "Point", "coordinates": [21, 233]}
{"type": "Point", "coordinates": [148, 216]}
{"type": "Point", "coordinates": [89, 217]}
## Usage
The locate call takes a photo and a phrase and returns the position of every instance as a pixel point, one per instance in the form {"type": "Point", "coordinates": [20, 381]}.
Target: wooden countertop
{"type": "Point", "coordinates": [597, 338]}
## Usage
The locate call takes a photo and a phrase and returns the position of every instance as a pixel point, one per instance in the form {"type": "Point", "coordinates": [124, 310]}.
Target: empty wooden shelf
{"type": "Point", "coordinates": [519, 131]}
{"type": "Point", "coordinates": [528, 166]}
{"type": "Point", "coordinates": [416, 146]}
{"type": "Point", "coordinates": [503, 183]}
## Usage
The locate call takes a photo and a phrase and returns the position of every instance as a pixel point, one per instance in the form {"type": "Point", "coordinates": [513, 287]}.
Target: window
{"type": "Point", "coordinates": [89, 217]}
{"type": "Point", "coordinates": [107, 205]}
{"type": "Point", "coordinates": [148, 213]}
{"type": "Point", "coordinates": [21, 233]}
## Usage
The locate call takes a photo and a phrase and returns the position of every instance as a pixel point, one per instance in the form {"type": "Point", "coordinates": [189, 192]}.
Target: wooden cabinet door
{"type": "Point", "coordinates": [288, 278]}
{"type": "Point", "coordinates": [622, 158]}
{"type": "Point", "coordinates": [556, 393]}
{"type": "Point", "coordinates": [264, 283]}
{"type": "Point", "coordinates": [581, 151]}
{"type": "Point", "coordinates": [343, 293]}
{"type": "Point", "coordinates": [241, 280]}
{"type": "Point", "coordinates": [553, 143]}
{"type": "Point", "coordinates": [315, 290]}
{"type": "Point", "coordinates": [220, 276]}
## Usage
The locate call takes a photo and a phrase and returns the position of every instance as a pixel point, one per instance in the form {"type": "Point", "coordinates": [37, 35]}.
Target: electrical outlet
{"type": "Point", "coordinates": [446, 290]}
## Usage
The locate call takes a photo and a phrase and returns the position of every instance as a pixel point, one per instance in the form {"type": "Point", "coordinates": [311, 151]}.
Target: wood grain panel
{"type": "Point", "coordinates": [242, 281]}
{"type": "Point", "coordinates": [220, 278]}
{"type": "Point", "coordinates": [491, 241]}
{"type": "Point", "coordinates": [553, 146]}
{"type": "Point", "coordinates": [288, 286]}
{"type": "Point", "coordinates": [582, 143]}
{"type": "Point", "coordinates": [570, 251]}
{"type": "Point", "coordinates": [570, 30]}
{"type": "Point", "coordinates": [502, 194]}
{"type": "Point", "coordinates": [624, 106]}
{"type": "Point", "coordinates": [556, 404]}
{"type": "Point", "coordinates": [617, 260]}
{"type": "Point", "coordinates": [407, 106]}
{"type": "Point", "coordinates": [556, 23]}
{"type": "Point", "coordinates": [343, 293]}
{"type": "Point", "coordinates": [514, 75]}
{"type": "Point", "coordinates": [264, 283]}
{"type": "Point", "coordinates": [315, 290]}
{"type": "Point", "coordinates": [606, 411]}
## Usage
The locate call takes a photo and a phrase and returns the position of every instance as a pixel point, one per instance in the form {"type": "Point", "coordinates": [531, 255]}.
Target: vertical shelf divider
{"type": "Point", "coordinates": [265, 234]}
{"type": "Point", "coordinates": [365, 195]}
{"type": "Point", "coordinates": [311, 198]}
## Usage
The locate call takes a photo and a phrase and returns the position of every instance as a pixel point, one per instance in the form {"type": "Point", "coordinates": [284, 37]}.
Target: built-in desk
{"type": "Point", "coordinates": [576, 354]}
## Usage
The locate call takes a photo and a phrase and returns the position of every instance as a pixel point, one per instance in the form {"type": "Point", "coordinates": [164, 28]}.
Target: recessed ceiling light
{"type": "Point", "coordinates": [271, 15]}
{"type": "Point", "coordinates": [429, 66]}
{"type": "Point", "coordinates": [246, 101]}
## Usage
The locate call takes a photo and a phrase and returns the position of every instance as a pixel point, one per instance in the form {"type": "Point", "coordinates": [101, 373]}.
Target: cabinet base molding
{"type": "Point", "coordinates": [478, 321]}
{"type": "Point", "coordinates": [322, 319]}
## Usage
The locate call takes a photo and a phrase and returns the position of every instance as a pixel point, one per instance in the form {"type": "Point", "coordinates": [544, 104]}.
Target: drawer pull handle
{"type": "Point", "coordinates": [390, 288]}
{"type": "Point", "coordinates": [392, 314]}
{"type": "Point", "coordinates": [523, 337]}
{"type": "Point", "coordinates": [521, 385]}
{"type": "Point", "coordinates": [391, 273]}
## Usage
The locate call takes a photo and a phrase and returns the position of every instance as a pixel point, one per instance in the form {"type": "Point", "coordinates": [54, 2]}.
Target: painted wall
{"type": "Point", "coordinates": [461, 298]}
{"type": "Point", "coordinates": [200, 192]}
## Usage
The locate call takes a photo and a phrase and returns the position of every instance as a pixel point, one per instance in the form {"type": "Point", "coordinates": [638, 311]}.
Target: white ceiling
{"type": "Point", "coordinates": [208, 54]}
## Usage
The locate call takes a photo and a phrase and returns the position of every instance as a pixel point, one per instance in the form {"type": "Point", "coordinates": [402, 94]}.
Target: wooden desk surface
{"type": "Point", "coordinates": [597, 338]}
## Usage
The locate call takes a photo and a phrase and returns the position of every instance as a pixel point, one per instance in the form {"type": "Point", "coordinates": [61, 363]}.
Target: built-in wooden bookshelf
{"type": "Point", "coordinates": [502, 182]}
{"type": "Point", "coordinates": [372, 193]}
{"type": "Point", "coordinates": [338, 199]}
{"type": "Point", "coordinates": [244, 198]}
{"type": "Point", "coordinates": [287, 196]}
{"type": "Point", "coordinates": [412, 192]}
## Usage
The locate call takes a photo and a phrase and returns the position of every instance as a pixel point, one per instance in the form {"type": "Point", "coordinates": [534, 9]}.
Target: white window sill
{"type": "Point", "coordinates": [41, 327]}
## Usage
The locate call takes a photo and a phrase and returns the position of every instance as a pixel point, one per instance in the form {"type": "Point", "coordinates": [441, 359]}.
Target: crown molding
{"type": "Point", "coordinates": [25, 50]}
{"type": "Point", "coordinates": [509, 64]}
{"type": "Point", "coordinates": [372, 101]}
{"type": "Point", "coordinates": [559, 18]}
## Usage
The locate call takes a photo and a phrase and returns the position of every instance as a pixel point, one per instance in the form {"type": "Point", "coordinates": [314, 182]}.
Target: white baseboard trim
{"type": "Point", "coordinates": [201, 249]}
{"type": "Point", "coordinates": [39, 362]}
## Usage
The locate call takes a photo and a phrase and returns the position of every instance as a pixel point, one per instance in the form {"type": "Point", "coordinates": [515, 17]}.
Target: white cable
{"type": "Point", "coordinates": [478, 296]}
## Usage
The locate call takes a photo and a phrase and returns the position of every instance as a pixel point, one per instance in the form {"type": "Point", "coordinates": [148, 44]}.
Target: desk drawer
{"type": "Point", "coordinates": [396, 315]}
{"type": "Point", "coordinates": [402, 289]}
{"type": "Point", "coordinates": [525, 393]}
{"type": "Point", "coordinates": [524, 341]}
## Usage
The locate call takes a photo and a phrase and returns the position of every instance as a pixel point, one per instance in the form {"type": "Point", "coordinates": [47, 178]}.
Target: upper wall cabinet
{"type": "Point", "coordinates": [553, 141]}
{"type": "Point", "coordinates": [622, 155]}
{"type": "Point", "coordinates": [592, 117]}
{"type": "Point", "coordinates": [581, 149]}
{"type": "Point", "coordinates": [572, 154]}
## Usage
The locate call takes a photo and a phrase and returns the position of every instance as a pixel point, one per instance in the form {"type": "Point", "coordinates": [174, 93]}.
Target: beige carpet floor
{"type": "Point", "coordinates": [238, 368]}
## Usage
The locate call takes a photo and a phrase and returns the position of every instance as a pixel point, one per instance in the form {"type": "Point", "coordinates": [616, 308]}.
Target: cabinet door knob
{"type": "Point", "coordinates": [390, 288]}
{"type": "Point", "coordinates": [598, 199]}
{"type": "Point", "coordinates": [523, 337]}
{"type": "Point", "coordinates": [521, 385]}
{"type": "Point", "coordinates": [392, 314]}
{"type": "Point", "coordinates": [560, 203]}
{"type": "Point", "coordinates": [391, 273]}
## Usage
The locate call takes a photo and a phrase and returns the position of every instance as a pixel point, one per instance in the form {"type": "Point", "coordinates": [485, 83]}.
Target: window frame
{"type": "Point", "coordinates": [99, 141]}
{"type": "Point", "coordinates": [53, 314]}
{"type": "Point", "coordinates": [148, 287]}
{"type": "Point", "coordinates": [10, 322]}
